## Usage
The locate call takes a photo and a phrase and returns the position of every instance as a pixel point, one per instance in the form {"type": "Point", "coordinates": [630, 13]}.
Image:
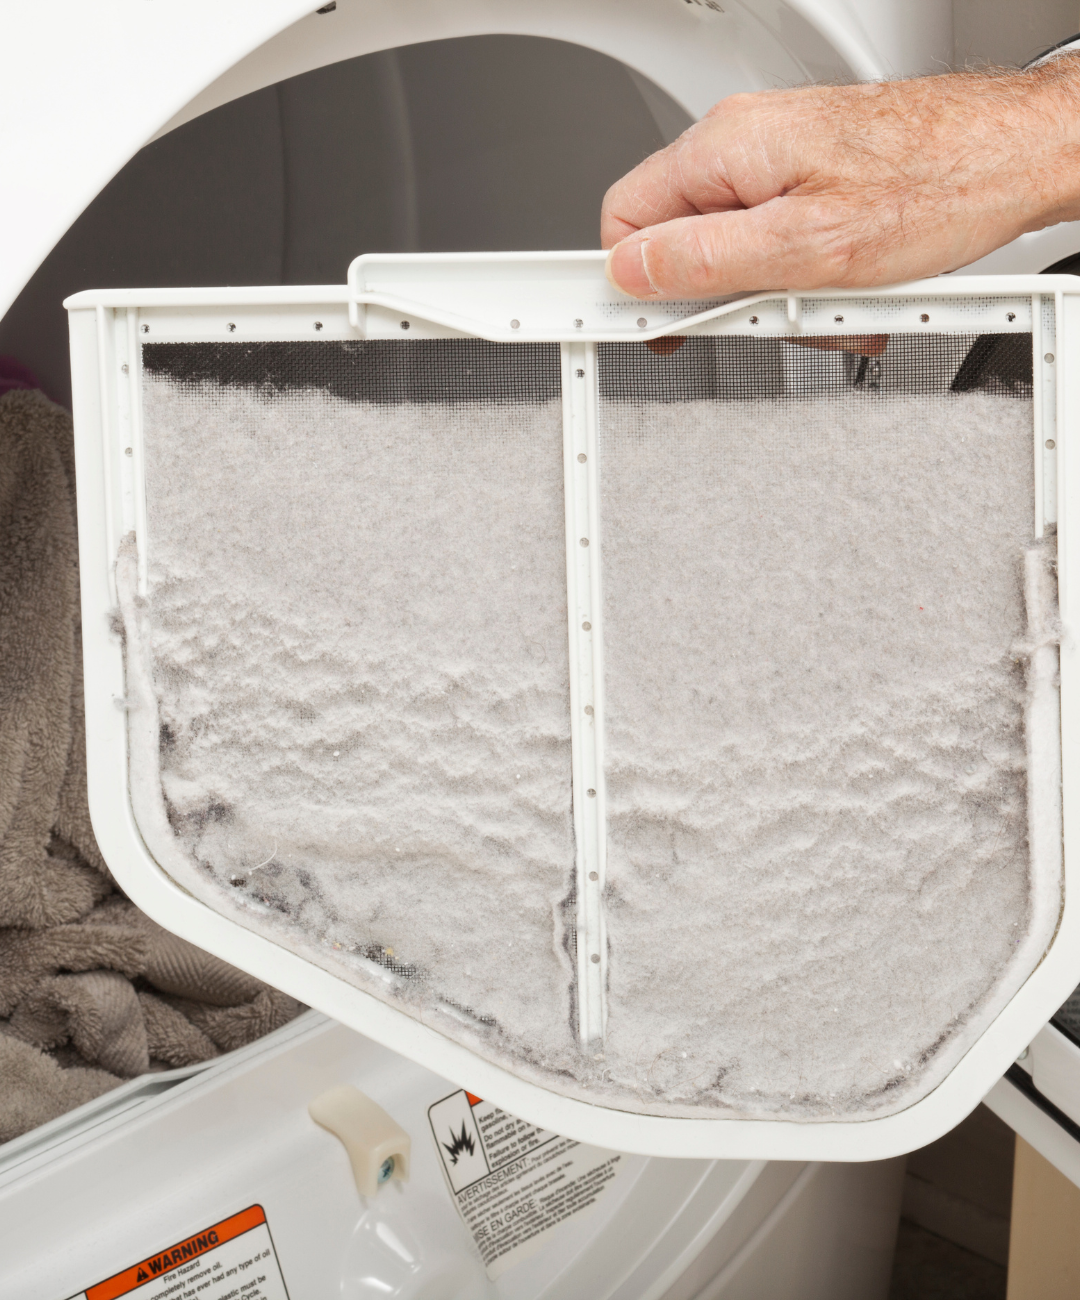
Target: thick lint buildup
{"type": "Point", "coordinates": [357, 619]}
{"type": "Point", "coordinates": [818, 858]}
{"type": "Point", "coordinates": [350, 674]}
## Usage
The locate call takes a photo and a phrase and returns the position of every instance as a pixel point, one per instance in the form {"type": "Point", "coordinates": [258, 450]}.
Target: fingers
{"type": "Point", "coordinates": [693, 175]}
{"type": "Point", "coordinates": [614, 228]}
{"type": "Point", "coordinates": [737, 156]}
{"type": "Point", "coordinates": [626, 269]}
{"type": "Point", "coordinates": [655, 191]}
{"type": "Point", "coordinates": [720, 210]}
{"type": "Point", "coordinates": [786, 243]}
{"type": "Point", "coordinates": [857, 236]}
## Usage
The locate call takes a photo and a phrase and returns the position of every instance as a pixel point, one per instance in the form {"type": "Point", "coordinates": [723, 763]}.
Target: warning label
{"type": "Point", "coordinates": [513, 1182]}
{"type": "Point", "coordinates": [230, 1260]}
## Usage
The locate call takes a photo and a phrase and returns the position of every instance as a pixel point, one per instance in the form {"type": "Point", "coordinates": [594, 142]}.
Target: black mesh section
{"type": "Point", "coordinates": [385, 372]}
{"type": "Point", "coordinates": [724, 368]}
{"type": "Point", "coordinates": [996, 361]}
{"type": "Point", "coordinates": [729, 368]}
{"type": "Point", "coordinates": [1067, 1017]}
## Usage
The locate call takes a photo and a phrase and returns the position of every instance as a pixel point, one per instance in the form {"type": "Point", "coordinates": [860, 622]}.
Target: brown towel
{"type": "Point", "coordinates": [86, 979]}
{"type": "Point", "coordinates": [97, 1013]}
{"type": "Point", "coordinates": [41, 745]}
{"type": "Point", "coordinates": [36, 1089]}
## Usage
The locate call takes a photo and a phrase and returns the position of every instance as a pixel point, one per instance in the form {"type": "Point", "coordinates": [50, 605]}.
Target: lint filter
{"type": "Point", "coordinates": [653, 717]}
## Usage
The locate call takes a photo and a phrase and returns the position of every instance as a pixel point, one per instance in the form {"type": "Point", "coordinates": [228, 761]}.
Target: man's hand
{"type": "Point", "coordinates": [849, 186]}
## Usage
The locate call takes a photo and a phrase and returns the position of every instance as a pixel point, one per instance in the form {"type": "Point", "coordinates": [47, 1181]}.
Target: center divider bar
{"type": "Point", "coordinates": [579, 388]}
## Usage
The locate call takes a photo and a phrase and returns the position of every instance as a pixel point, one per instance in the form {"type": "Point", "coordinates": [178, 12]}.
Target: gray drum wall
{"type": "Point", "coordinates": [492, 142]}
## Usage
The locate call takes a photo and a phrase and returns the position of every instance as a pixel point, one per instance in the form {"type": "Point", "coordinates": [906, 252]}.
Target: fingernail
{"type": "Point", "coordinates": [626, 268]}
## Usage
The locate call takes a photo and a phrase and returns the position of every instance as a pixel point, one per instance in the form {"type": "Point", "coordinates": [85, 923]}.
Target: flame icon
{"type": "Point", "coordinates": [459, 1142]}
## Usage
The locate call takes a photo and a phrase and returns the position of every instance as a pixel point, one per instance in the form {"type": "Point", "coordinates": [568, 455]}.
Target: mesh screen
{"type": "Point", "coordinates": [357, 608]}
{"type": "Point", "coordinates": [737, 369]}
{"type": "Point", "coordinates": [447, 372]}
{"type": "Point", "coordinates": [1067, 1017]}
{"type": "Point", "coordinates": [817, 854]}
{"type": "Point", "coordinates": [810, 554]}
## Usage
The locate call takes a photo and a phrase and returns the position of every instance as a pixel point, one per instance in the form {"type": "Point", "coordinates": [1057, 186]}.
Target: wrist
{"type": "Point", "coordinates": [1052, 133]}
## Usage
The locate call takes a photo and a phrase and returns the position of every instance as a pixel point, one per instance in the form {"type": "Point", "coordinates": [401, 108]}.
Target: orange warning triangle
{"type": "Point", "coordinates": [474, 1100]}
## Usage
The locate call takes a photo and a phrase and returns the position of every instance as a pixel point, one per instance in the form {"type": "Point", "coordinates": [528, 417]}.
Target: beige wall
{"type": "Point", "coordinates": [1044, 1248]}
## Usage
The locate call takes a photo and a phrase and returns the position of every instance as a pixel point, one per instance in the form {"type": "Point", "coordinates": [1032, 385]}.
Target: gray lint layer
{"type": "Point", "coordinates": [350, 722]}
{"type": "Point", "coordinates": [357, 624]}
{"type": "Point", "coordinates": [818, 870]}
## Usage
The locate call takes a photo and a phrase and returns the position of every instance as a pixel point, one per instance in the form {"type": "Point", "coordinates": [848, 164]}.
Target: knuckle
{"type": "Point", "coordinates": [735, 105]}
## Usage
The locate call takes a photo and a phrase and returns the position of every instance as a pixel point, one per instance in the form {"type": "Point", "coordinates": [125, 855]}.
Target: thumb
{"type": "Point", "coordinates": [784, 243]}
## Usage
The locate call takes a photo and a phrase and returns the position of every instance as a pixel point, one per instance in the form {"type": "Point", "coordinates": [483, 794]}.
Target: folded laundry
{"type": "Point", "coordinates": [91, 990]}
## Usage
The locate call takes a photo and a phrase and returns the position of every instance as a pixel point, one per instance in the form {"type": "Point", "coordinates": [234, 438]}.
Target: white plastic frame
{"type": "Point", "coordinates": [443, 296]}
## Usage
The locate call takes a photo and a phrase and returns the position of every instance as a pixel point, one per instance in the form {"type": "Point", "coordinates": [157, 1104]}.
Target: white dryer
{"type": "Point", "coordinates": [217, 1181]}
